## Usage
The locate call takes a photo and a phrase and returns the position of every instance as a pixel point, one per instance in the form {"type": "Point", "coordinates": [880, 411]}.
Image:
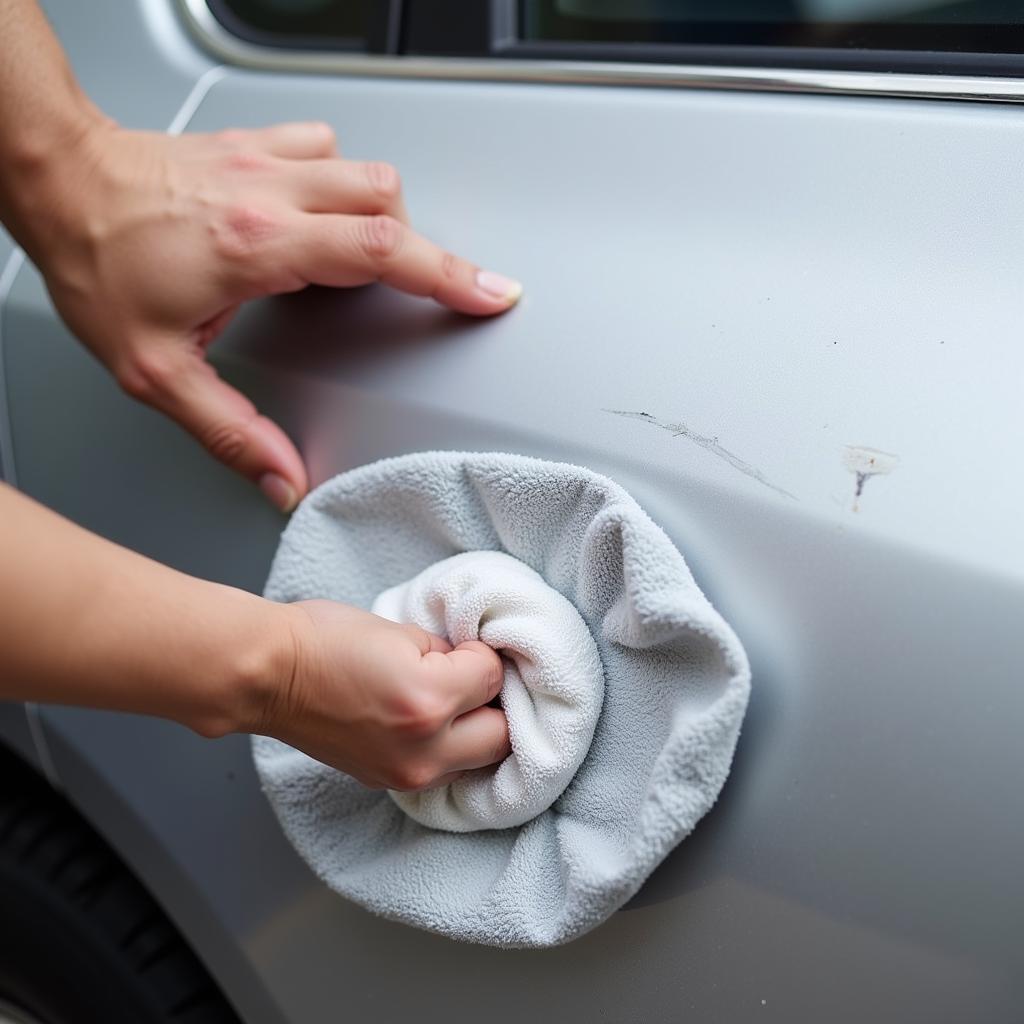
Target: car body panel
{"type": "Point", "coordinates": [6, 247]}
{"type": "Point", "coordinates": [136, 61]}
{"type": "Point", "coordinates": [770, 279]}
{"type": "Point", "coordinates": [15, 732]}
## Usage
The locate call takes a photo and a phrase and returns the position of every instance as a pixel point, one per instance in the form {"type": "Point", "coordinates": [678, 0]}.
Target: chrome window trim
{"type": "Point", "coordinates": [228, 47]}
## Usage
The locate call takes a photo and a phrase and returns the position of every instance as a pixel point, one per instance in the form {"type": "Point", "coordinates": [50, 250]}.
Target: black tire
{"type": "Point", "coordinates": [81, 940]}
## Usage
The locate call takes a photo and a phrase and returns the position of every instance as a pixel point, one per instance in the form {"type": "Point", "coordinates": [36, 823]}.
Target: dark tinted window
{"type": "Point", "coordinates": [334, 24]}
{"type": "Point", "coordinates": [941, 36]}
{"type": "Point", "coordinates": [968, 26]}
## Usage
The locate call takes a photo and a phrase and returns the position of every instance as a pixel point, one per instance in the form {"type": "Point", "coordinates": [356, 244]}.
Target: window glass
{"type": "Point", "coordinates": [335, 24]}
{"type": "Point", "coordinates": [979, 26]}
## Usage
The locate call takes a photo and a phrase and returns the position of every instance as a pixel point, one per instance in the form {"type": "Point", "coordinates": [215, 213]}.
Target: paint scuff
{"type": "Point", "coordinates": [708, 443]}
{"type": "Point", "coordinates": [865, 463]}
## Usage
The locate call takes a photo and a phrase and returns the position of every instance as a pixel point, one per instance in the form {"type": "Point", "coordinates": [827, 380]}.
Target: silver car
{"type": "Point", "coordinates": [772, 255]}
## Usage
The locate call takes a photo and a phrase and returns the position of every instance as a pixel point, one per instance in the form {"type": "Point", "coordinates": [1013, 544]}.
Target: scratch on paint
{"type": "Point", "coordinates": [710, 444]}
{"type": "Point", "coordinates": [865, 463]}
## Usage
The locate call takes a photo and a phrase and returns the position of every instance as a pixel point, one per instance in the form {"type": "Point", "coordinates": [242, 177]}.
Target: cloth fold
{"type": "Point", "coordinates": [551, 694]}
{"type": "Point", "coordinates": [676, 685]}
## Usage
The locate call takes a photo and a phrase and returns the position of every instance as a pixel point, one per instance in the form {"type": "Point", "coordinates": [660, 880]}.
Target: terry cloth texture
{"type": "Point", "coordinates": [551, 693]}
{"type": "Point", "coordinates": [676, 688]}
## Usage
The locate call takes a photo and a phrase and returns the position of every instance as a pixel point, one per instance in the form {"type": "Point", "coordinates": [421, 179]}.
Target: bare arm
{"type": "Point", "coordinates": [41, 106]}
{"type": "Point", "coordinates": [83, 621]}
{"type": "Point", "coordinates": [148, 244]}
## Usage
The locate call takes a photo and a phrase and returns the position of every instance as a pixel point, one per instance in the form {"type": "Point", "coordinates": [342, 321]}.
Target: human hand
{"type": "Point", "coordinates": [392, 705]}
{"type": "Point", "coordinates": [89, 623]}
{"type": "Point", "coordinates": [149, 243]}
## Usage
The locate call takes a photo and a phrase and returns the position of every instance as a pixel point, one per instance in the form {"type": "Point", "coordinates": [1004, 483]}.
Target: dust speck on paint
{"type": "Point", "coordinates": [865, 463]}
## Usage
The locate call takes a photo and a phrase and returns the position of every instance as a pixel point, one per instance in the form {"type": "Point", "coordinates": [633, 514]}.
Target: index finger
{"type": "Point", "coordinates": [339, 250]}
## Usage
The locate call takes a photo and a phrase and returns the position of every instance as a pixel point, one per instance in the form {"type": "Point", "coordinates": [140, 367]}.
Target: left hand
{"type": "Point", "coordinates": [390, 704]}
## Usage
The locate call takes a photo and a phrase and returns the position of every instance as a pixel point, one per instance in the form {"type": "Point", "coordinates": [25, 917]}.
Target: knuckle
{"type": "Point", "coordinates": [243, 231]}
{"type": "Point", "coordinates": [451, 266]}
{"type": "Point", "coordinates": [384, 180]}
{"type": "Point", "coordinates": [246, 161]}
{"type": "Point", "coordinates": [230, 137]}
{"type": "Point", "coordinates": [213, 727]}
{"type": "Point", "coordinates": [144, 375]}
{"type": "Point", "coordinates": [423, 716]}
{"type": "Point", "coordinates": [382, 238]}
{"type": "Point", "coordinates": [417, 634]}
{"type": "Point", "coordinates": [412, 775]}
{"type": "Point", "coordinates": [224, 441]}
{"type": "Point", "coordinates": [496, 677]}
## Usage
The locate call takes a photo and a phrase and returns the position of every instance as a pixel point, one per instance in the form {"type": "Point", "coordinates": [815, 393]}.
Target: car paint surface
{"type": "Point", "coordinates": [734, 303]}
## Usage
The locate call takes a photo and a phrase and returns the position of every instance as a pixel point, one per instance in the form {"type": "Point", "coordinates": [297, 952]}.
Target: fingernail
{"type": "Point", "coordinates": [278, 491]}
{"type": "Point", "coordinates": [498, 286]}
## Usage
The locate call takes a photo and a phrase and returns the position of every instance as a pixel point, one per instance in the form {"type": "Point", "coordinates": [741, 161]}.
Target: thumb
{"type": "Point", "coordinates": [183, 386]}
{"type": "Point", "coordinates": [475, 674]}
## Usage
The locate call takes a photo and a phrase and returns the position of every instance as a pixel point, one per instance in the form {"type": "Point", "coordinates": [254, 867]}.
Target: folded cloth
{"type": "Point", "coordinates": [676, 688]}
{"type": "Point", "coordinates": [551, 694]}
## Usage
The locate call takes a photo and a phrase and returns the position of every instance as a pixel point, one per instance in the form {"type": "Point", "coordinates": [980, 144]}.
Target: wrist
{"type": "Point", "coordinates": [39, 140]}
{"type": "Point", "coordinates": [46, 164]}
{"type": "Point", "coordinates": [263, 667]}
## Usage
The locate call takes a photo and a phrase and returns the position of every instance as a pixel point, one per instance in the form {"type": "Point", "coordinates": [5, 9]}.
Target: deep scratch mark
{"type": "Point", "coordinates": [710, 444]}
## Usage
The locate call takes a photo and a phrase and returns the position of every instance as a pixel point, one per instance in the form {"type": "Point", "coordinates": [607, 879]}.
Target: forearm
{"type": "Point", "coordinates": [83, 621]}
{"type": "Point", "coordinates": [44, 115]}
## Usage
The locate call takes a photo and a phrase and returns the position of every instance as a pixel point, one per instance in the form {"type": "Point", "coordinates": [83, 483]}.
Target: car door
{"type": "Point", "coordinates": [772, 288]}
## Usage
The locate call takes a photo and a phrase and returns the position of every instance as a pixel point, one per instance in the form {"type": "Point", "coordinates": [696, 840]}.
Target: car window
{"type": "Point", "coordinates": [337, 24]}
{"type": "Point", "coordinates": [940, 36]}
{"type": "Point", "coordinates": [983, 26]}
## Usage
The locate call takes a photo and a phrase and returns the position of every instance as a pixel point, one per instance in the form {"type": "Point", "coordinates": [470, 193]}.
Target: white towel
{"type": "Point", "coordinates": [552, 693]}
{"type": "Point", "coordinates": [676, 688]}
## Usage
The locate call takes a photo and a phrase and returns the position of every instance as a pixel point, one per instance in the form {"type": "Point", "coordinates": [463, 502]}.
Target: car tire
{"type": "Point", "coordinates": [81, 940]}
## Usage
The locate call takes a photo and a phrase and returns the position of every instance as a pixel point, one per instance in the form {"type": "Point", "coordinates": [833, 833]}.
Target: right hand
{"type": "Point", "coordinates": [392, 705]}
{"type": "Point", "coordinates": [149, 243]}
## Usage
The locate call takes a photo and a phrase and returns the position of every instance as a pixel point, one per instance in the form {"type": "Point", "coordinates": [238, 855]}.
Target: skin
{"type": "Point", "coordinates": [148, 245]}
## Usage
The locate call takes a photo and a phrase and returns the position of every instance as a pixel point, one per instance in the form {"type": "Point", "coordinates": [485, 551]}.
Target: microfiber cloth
{"type": "Point", "coordinates": [551, 693]}
{"type": "Point", "coordinates": [471, 863]}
